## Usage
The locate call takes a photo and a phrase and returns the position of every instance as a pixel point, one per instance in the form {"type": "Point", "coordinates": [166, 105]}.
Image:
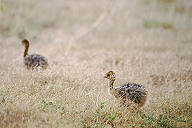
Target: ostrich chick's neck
{"type": "Point", "coordinates": [112, 90]}
{"type": "Point", "coordinates": [26, 50]}
{"type": "Point", "coordinates": [111, 82]}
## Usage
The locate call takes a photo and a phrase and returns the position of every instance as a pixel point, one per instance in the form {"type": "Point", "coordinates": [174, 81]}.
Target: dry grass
{"type": "Point", "coordinates": [72, 91]}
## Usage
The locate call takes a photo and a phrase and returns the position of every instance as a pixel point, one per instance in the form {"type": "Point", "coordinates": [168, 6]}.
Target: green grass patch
{"type": "Point", "coordinates": [170, 117]}
{"type": "Point", "coordinates": [157, 24]}
{"type": "Point", "coordinates": [51, 107]}
{"type": "Point", "coordinates": [166, 1]}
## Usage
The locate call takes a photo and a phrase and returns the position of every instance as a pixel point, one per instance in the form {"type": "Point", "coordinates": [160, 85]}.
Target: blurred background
{"type": "Point", "coordinates": [59, 21]}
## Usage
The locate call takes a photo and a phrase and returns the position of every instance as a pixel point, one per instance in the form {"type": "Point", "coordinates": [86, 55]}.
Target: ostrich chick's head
{"type": "Point", "coordinates": [25, 42]}
{"type": "Point", "coordinates": [110, 75]}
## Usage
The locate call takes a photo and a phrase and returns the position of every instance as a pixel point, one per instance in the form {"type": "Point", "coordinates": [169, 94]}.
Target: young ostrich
{"type": "Point", "coordinates": [34, 60]}
{"type": "Point", "coordinates": [128, 92]}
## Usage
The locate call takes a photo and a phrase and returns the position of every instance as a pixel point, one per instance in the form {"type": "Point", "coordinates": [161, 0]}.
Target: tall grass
{"type": "Point", "coordinates": [72, 91]}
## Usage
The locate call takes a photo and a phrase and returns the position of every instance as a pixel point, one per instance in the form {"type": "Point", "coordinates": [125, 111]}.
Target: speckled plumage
{"type": "Point", "coordinates": [131, 91]}
{"type": "Point", "coordinates": [34, 60]}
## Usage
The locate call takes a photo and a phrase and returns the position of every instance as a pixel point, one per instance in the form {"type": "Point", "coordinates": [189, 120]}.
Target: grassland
{"type": "Point", "coordinates": [143, 41]}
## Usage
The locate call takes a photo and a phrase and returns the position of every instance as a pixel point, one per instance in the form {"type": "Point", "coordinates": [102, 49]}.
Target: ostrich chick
{"type": "Point", "coordinates": [34, 60]}
{"type": "Point", "coordinates": [129, 92]}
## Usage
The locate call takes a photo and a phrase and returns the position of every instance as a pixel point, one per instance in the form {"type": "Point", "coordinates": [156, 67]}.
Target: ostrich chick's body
{"type": "Point", "coordinates": [33, 60]}
{"type": "Point", "coordinates": [131, 91]}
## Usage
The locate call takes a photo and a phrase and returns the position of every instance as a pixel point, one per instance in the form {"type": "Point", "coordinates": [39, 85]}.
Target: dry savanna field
{"type": "Point", "coordinates": [148, 42]}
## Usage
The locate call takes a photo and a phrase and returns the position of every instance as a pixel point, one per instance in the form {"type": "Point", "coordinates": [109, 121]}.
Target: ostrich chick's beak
{"type": "Point", "coordinates": [105, 76]}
